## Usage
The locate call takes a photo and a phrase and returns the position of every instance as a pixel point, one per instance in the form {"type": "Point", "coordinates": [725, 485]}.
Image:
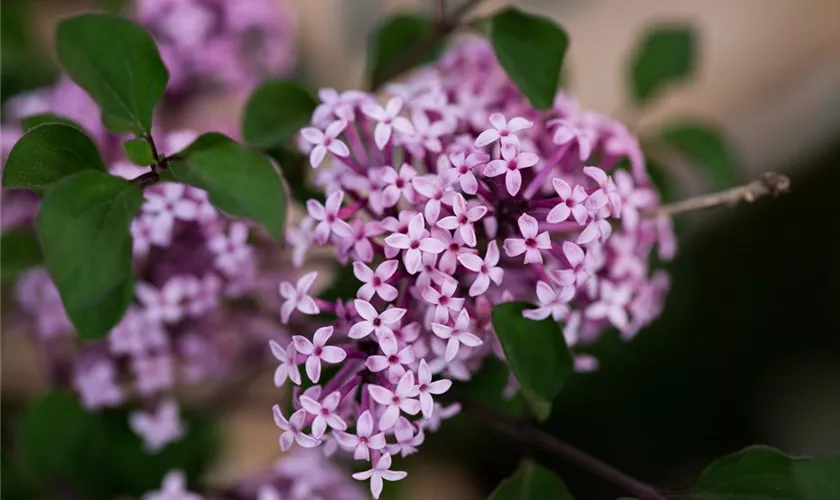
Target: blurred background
{"type": "Point", "coordinates": [748, 349]}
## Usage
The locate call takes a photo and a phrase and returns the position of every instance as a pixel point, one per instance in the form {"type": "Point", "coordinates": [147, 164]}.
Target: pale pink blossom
{"type": "Point", "coordinates": [97, 384]}
{"type": "Point", "coordinates": [231, 250]}
{"type": "Point", "coordinates": [328, 217]}
{"type": "Point", "coordinates": [379, 472]}
{"type": "Point", "coordinates": [396, 400]}
{"type": "Point", "coordinates": [463, 219]}
{"type": "Point", "coordinates": [325, 413]}
{"type": "Point", "coordinates": [426, 388]}
{"type": "Point", "coordinates": [456, 335]}
{"type": "Point", "coordinates": [381, 324]}
{"type": "Point", "coordinates": [297, 297]}
{"type": "Point", "coordinates": [388, 119]}
{"type": "Point", "coordinates": [174, 487]}
{"type": "Point", "coordinates": [397, 184]}
{"type": "Point", "coordinates": [455, 247]}
{"type": "Point", "coordinates": [293, 429]}
{"type": "Point", "coordinates": [552, 302]}
{"type": "Point", "coordinates": [375, 283]}
{"type": "Point", "coordinates": [318, 351]}
{"type": "Point", "coordinates": [414, 243]}
{"type": "Point", "coordinates": [571, 203]}
{"type": "Point", "coordinates": [325, 141]}
{"type": "Point", "coordinates": [407, 439]}
{"type": "Point", "coordinates": [464, 166]}
{"type": "Point", "coordinates": [531, 243]}
{"type": "Point", "coordinates": [612, 304]}
{"type": "Point", "coordinates": [287, 368]}
{"type": "Point", "coordinates": [159, 427]}
{"type": "Point", "coordinates": [443, 299]}
{"type": "Point", "coordinates": [512, 162]}
{"type": "Point", "coordinates": [169, 203]}
{"type": "Point", "coordinates": [364, 440]}
{"type": "Point", "coordinates": [395, 361]}
{"type": "Point", "coordinates": [502, 130]}
{"type": "Point", "coordinates": [435, 187]}
{"type": "Point", "coordinates": [487, 268]}
{"type": "Point", "coordinates": [567, 131]}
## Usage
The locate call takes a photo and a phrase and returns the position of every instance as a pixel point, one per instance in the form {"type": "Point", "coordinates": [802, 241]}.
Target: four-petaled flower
{"type": "Point", "coordinates": [287, 367]}
{"type": "Point", "coordinates": [297, 297]}
{"type": "Point", "coordinates": [464, 166]}
{"type": "Point", "coordinates": [293, 429]}
{"type": "Point", "coordinates": [379, 323]}
{"type": "Point", "coordinates": [318, 351]}
{"type": "Point", "coordinates": [443, 299]}
{"type": "Point", "coordinates": [425, 388]}
{"type": "Point", "coordinates": [504, 130]}
{"type": "Point", "coordinates": [364, 440]}
{"type": "Point", "coordinates": [174, 487]}
{"type": "Point", "coordinates": [552, 302]}
{"type": "Point", "coordinates": [463, 219]}
{"type": "Point", "coordinates": [160, 427]}
{"type": "Point", "coordinates": [392, 360]}
{"type": "Point", "coordinates": [328, 217]}
{"type": "Point", "coordinates": [531, 243]}
{"type": "Point", "coordinates": [324, 412]}
{"type": "Point", "coordinates": [512, 162]}
{"type": "Point", "coordinates": [395, 400]}
{"type": "Point", "coordinates": [375, 282]}
{"type": "Point", "coordinates": [414, 243]}
{"type": "Point", "coordinates": [325, 141]}
{"type": "Point", "coordinates": [571, 203]}
{"type": "Point", "coordinates": [388, 120]}
{"type": "Point", "coordinates": [379, 472]}
{"type": "Point", "coordinates": [612, 304]}
{"type": "Point", "coordinates": [487, 269]}
{"type": "Point", "coordinates": [456, 335]}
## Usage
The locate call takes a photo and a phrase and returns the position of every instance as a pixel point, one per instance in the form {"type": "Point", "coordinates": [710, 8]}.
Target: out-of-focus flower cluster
{"type": "Point", "coordinates": [448, 195]}
{"type": "Point", "coordinates": [199, 309]}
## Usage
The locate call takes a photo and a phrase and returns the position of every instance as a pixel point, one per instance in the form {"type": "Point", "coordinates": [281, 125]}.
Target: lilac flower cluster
{"type": "Point", "coordinates": [229, 44]}
{"type": "Point", "coordinates": [450, 197]}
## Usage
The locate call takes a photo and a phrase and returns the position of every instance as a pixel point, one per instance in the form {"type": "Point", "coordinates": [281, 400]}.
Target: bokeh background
{"type": "Point", "coordinates": [748, 349]}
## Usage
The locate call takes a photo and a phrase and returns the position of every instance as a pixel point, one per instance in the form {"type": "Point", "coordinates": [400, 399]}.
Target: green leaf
{"type": "Point", "coordinates": [19, 251]}
{"type": "Point", "coordinates": [389, 43]}
{"type": "Point", "coordinates": [531, 49]}
{"type": "Point", "coordinates": [487, 387]}
{"type": "Point", "coordinates": [139, 151]}
{"type": "Point", "coordinates": [531, 481]}
{"type": "Point", "coordinates": [32, 121]}
{"type": "Point", "coordinates": [761, 472]}
{"type": "Point", "coordinates": [705, 148]}
{"type": "Point", "coordinates": [666, 55]}
{"type": "Point", "coordinates": [48, 153]}
{"type": "Point", "coordinates": [275, 112]}
{"type": "Point", "coordinates": [84, 228]}
{"type": "Point", "coordinates": [536, 352]}
{"type": "Point", "coordinates": [239, 180]}
{"type": "Point", "coordinates": [117, 63]}
{"type": "Point", "coordinates": [54, 436]}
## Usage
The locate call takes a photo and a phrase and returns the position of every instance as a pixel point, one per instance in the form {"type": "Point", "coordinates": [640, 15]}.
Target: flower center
{"type": "Point", "coordinates": [377, 322]}
{"type": "Point", "coordinates": [415, 245]}
{"type": "Point", "coordinates": [462, 219]}
{"type": "Point", "coordinates": [454, 247]}
{"type": "Point", "coordinates": [393, 359]}
{"type": "Point", "coordinates": [400, 183]}
{"type": "Point", "coordinates": [443, 300]}
{"type": "Point", "coordinates": [531, 243]}
{"type": "Point", "coordinates": [325, 412]}
{"type": "Point", "coordinates": [396, 400]}
{"type": "Point", "coordinates": [484, 269]}
{"type": "Point", "coordinates": [512, 165]}
{"type": "Point", "coordinates": [330, 218]}
{"type": "Point", "coordinates": [317, 351]}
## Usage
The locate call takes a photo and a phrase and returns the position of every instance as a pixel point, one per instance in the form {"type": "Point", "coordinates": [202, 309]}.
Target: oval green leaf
{"type": "Point", "coordinates": [702, 146]}
{"type": "Point", "coordinates": [240, 181]}
{"type": "Point", "coordinates": [139, 151]}
{"type": "Point", "coordinates": [760, 472]}
{"type": "Point", "coordinates": [32, 121]}
{"type": "Point", "coordinates": [536, 352]}
{"type": "Point", "coordinates": [389, 43]}
{"type": "Point", "coordinates": [117, 63]}
{"type": "Point", "coordinates": [531, 481]}
{"type": "Point", "coordinates": [19, 251]}
{"type": "Point", "coordinates": [84, 229]}
{"type": "Point", "coordinates": [275, 112]}
{"type": "Point", "coordinates": [665, 55]}
{"type": "Point", "coordinates": [531, 50]}
{"type": "Point", "coordinates": [48, 153]}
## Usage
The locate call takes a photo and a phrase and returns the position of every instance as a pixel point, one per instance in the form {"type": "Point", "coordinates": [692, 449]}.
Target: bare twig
{"type": "Point", "coordinates": [770, 183]}
{"type": "Point", "coordinates": [145, 180]}
{"type": "Point", "coordinates": [526, 433]}
{"type": "Point", "coordinates": [440, 30]}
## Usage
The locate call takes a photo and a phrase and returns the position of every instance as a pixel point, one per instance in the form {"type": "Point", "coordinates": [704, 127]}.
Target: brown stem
{"type": "Point", "coordinates": [440, 30]}
{"type": "Point", "coordinates": [770, 183]}
{"type": "Point", "coordinates": [145, 180]}
{"type": "Point", "coordinates": [525, 432]}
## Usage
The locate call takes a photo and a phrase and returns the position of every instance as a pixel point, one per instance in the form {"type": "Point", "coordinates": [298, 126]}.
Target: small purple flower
{"type": "Point", "coordinates": [376, 282]}
{"type": "Point", "coordinates": [174, 487]}
{"type": "Point", "coordinates": [160, 427]}
{"type": "Point", "coordinates": [463, 219]}
{"type": "Point", "coordinates": [395, 400]}
{"type": "Point", "coordinates": [379, 472]}
{"type": "Point", "coordinates": [512, 162]}
{"type": "Point", "coordinates": [381, 324]}
{"type": "Point", "coordinates": [414, 243]}
{"type": "Point", "coordinates": [364, 440]}
{"type": "Point", "coordinates": [443, 299]}
{"type": "Point", "coordinates": [97, 384]}
{"type": "Point", "coordinates": [388, 120]}
{"type": "Point", "coordinates": [426, 388]}
{"type": "Point", "coordinates": [571, 203]}
{"type": "Point", "coordinates": [325, 141]}
{"type": "Point", "coordinates": [325, 413]}
{"type": "Point", "coordinates": [317, 351]}
{"type": "Point", "coordinates": [531, 243]}
{"type": "Point", "coordinates": [293, 429]}
{"type": "Point", "coordinates": [328, 217]}
{"type": "Point", "coordinates": [297, 297]}
{"type": "Point", "coordinates": [456, 335]}
{"type": "Point", "coordinates": [487, 268]}
{"type": "Point", "coordinates": [503, 130]}
{"type": "Point", "coordinates": [287, 368]}
{"type": "Point", "coordinates": [407, 440]}
{"type": "Point", "coordinates": [393, 360]}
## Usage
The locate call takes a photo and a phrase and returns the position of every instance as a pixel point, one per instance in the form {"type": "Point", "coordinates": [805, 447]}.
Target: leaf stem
{"type": "Point", "coordinates": [443, 26]}
{"type": "Point", "coordinates": [525, 432]}
{"type": "Point", "coordinates": [770, 183]}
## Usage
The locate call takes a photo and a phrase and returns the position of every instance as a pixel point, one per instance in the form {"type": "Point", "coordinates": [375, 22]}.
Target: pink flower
{"type": "Point", "coordinates": [487, 269]}
{"type": "Point", "coordinates": [397, 184]}
{"type": "Point", "coordinates": [407, 441]}
{"type": "Point", "coordinates": [607, 194]}
{"type": "Point", "coordinates": [329, 220]}
{"type": "Point", "coordinates": [463, 219]}
{"type": "Point", "coordinates": [582, 265]}
{"type": "Point", "coordinates": [364, 440]}
{"type": "Point", "coordinates": [153, 373]}
{"type": "Point", "coordinates": [553, 303]}
{"type": "Point", "coordinates": [359, 241]}
{"type": "Point", "coordinates": [392, 360]}
{"type": "Point", "coordinates": [388, 120]}
{"type": "Point", "coordinates": [379, 323]}
{"type": "Point", "coordinates": [464, 168]}
{"type": "Point", "coordinates": [414, 243]}
{"type": "Point", "coordinates": [325, 141]}
{"type": "Point", "coordinates": [164, 304]}
{"type": "Point", "coordinates": [395, 400]}
{"type": "Point", "coordinates": [232, 250]}
{"type": "Point", "coordinates": [513, 160]}
{"type": "Point", "coordinates": [375, 282]}
{"type": "Point", "coordinates": [571, 203]}
{"type": "Point", "coordinates": [426, 134]}
{"type": "Point", "coordinates": [297, 297]}
{"type": "Point", "coordinates": [454, 248]}
{"type": "Point", "coordinates": [325, 413]}
{"type": "Point", "coordinates": [531, 243]}
{"type": "Point", "coordinates": [287, 367]}
{"type": "Point", "coordinates": [443, 299]}
{"type": "Point", "coordinates": [174, 487]}
{"type": "Point", "coordinates": [300, 239]}
{"type": "Point", "coordinates": [97, 384]}
{"type": "Point", "coordinates": [567, 131]}
{"type": "Point", "coordinates": [170, 203]}
{"type": "Point", "coordinates": [612, 304]}
{"type": "Point", "coordinates": [318, 351]}
{"type": "Point", "coordinates": [426, 388]}
{"type": "Point", "coordinates": [502, 130]}
{"type": "Point", "coordinates": [379, 472]}
{"type": "Point", "coordinates": [436, 188]}
{"type": "Point", "coordinates": [457, 335]}
{"type": "Point", "coordinates": [293, 429]}
{"type": "Point", "coordinates": [158, 428]}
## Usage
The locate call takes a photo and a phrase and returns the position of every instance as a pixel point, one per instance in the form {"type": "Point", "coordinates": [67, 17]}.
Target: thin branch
{"type": "Point", "coordinates": [770, 183]}
{"type": "Point", "coordinates": [415, 54]}
{"type": "Point", "coordinates": [526, 433]}
{"type": "Point", "coordinates": [145, 180]}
